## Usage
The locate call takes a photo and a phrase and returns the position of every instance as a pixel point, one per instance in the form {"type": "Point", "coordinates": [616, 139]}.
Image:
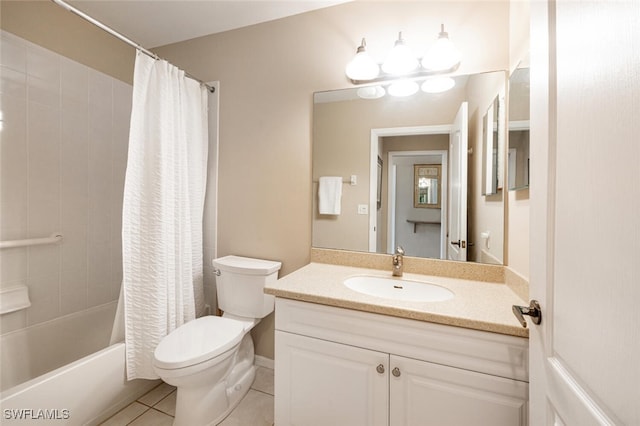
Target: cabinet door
{"type": "Point", "coordinates": [324, 383]}
{"type": "Point", "coordinates": [423, 393]}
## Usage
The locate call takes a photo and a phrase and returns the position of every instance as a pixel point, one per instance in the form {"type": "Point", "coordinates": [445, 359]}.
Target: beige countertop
{"type": "Point", "coordinates": [476, 305]}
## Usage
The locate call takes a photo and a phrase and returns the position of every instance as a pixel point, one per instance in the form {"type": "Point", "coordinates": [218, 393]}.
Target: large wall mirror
{"type": "Point", "coordinates": [381, 143]}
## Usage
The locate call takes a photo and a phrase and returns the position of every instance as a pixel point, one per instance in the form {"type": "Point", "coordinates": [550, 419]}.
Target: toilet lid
{"type": "Point", "coordinates": [198, 341]}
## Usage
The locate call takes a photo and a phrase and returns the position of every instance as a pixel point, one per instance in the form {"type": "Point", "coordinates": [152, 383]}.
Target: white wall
{"type": "Point", "coordinates": [63, 159]}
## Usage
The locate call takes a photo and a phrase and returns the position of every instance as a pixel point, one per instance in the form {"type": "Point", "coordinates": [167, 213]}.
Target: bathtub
{"type": "Point", "coordinates": [81, 392]}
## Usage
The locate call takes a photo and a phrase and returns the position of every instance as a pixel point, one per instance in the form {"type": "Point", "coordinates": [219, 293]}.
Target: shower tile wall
{"type": "Point", "coordinates": [62, 166]}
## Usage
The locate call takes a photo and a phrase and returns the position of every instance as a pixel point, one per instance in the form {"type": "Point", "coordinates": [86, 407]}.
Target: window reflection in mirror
{"type": "Point", "coordinates": [518, 154]}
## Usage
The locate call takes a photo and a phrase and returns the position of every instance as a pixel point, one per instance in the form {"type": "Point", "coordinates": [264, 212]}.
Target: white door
{"type": "Point", "coordinates": [457, 238]}
{"type": "Point", "coordinates": [585, 212]}
{"type": "Point", "coordinates": [427, 394]}
{"type": "Point", "coordinates": [321, 383]}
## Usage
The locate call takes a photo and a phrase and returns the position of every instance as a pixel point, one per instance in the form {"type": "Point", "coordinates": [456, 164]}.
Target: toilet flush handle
{"type": "Point", "coordinates": [217, 272]}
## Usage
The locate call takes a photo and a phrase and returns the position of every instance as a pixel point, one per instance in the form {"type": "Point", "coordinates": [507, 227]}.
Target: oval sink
{"type": "Point", "coordinates": [398, 289]}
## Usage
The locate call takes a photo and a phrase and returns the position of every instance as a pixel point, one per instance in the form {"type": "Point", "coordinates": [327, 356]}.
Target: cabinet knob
{"type": "Point", "coordinates": [396, 372]}
{"type": "Point", "coordinates": [380, 368]}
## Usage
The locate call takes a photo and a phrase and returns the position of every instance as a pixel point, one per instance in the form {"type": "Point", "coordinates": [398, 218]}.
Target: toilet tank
{"type": "Point", "coordinates": [240, 282]}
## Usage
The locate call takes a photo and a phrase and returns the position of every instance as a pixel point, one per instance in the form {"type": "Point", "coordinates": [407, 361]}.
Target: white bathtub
{"type": "Point", "coordinates": [82, 392]}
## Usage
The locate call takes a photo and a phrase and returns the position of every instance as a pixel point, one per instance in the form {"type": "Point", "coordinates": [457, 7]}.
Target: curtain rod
{"type": "Point", "coordinates": [116, 34]}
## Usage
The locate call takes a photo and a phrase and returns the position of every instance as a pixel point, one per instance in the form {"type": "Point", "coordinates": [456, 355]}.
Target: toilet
{"type": "Point", "coordinates": [210, 359]}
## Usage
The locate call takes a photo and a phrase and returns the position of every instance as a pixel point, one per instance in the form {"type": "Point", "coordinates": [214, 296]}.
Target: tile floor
{"type": "Point", "coordinates": [157, 407]}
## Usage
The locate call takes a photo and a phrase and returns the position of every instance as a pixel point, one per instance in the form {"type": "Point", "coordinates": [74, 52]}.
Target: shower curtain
{"type": "Point", "coordinates": [163, 208]}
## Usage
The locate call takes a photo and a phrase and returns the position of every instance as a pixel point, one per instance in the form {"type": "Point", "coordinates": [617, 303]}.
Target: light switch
{"type": "Point", "coordinates": [363, 209]}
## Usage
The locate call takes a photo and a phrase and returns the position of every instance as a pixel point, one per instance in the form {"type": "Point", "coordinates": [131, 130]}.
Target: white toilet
{"type": "Point", "coordinates": [210, 359]}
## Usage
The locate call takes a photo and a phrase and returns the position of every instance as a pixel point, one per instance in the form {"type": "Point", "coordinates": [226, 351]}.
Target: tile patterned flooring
{"type": "Point", "coordinates": [157, 407]}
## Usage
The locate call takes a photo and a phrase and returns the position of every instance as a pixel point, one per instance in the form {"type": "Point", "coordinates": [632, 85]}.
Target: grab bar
{"type": "Point", "coordinates": [52, 239]}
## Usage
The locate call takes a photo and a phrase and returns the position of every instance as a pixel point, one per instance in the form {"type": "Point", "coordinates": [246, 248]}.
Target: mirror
{"type": "Point", "coordinates": [383, 143]}
{"type": "Point", "coordinates": [518, 155]}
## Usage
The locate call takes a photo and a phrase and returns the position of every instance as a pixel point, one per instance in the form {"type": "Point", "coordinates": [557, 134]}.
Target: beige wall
{"type": "Point", "coordinates": [52, 27]}
{"type": "Point", "coordinates": [268, 73]}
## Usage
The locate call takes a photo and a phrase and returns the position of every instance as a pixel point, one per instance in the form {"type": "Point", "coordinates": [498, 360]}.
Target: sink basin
{"type": "Point", "coordinates": [398, 289]}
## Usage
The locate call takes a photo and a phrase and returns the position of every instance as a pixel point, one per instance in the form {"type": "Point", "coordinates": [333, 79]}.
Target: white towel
{"type": "Point", "coordinates": [329, 194]}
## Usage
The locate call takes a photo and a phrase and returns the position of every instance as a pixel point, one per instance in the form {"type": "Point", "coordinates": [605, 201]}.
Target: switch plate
{"type": "Point", "coordinates": [363, 209]}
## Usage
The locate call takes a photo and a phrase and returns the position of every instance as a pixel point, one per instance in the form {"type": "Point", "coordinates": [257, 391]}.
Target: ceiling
{"type": "Point", "coordinates": [153, 23]}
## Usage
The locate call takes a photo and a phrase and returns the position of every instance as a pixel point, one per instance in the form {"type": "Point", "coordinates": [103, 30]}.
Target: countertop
{"type": "Point", "coordinates": [476, 305]}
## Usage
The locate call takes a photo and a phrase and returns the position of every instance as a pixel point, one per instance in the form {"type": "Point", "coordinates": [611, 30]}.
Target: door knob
{"type": "Point", "coordinates": [396, 372]}
{"type": "Point", "coordinates": [533, 311]}
{"type": "Point", "coordinates": [380, 368]}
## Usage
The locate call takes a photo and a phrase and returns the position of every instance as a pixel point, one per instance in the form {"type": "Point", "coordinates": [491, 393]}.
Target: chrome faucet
{"type": "Point", "coordinates": [398, 264]}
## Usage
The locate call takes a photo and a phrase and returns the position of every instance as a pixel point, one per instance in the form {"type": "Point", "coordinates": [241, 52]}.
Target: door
{"type": "Point", "coordinates": [325, 383]}
{"type": "Point", "coordinates": [423, 393]}
{"type": "Point", "coordinates": [585, 213]}
{"type": "Point", "coordinates": [457, 237]}
{"type": "Point", "coordinates": [424, 239]}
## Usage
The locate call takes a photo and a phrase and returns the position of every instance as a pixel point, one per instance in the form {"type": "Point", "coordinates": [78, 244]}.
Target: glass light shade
{"type": "Point", "coordinates": [371, 92]}
{"type": "Point", "coordinates": [401, 59]}
{"type": "Point", "coordinates": [362, 66]}
{"type": "Point", "coordinates": [402, 88]}
{"type": "Point", "coordinates": [442, 56]}
{"type": "Point", "coordinates": [438, 85]}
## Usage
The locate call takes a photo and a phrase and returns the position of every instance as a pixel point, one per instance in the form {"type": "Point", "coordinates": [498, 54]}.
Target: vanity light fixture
{"type": "Point", "coordinates": [442, 55]}
{"type": "Point", "coordinates": [362, 66]}
{"type": "Point", "coordinates": [407, 87]}
{"type": "Point", "coordinates": [442, 58]}
{"type": "Point", "coordinates": [437, 84]}
{"type": "Point", "coordinates": [403, 88]}
{"type": "Point", "coordinates": [401, 60]}
{"type": "Point", "coordinates": [371, 92]}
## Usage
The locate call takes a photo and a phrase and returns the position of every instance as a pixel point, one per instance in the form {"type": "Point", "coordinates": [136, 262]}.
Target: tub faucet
{"type": "Point", "coordinates": [398, 265]}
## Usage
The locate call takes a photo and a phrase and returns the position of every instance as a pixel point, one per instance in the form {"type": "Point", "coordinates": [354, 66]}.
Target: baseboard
{"type": "Point", "coordinates": [265, 362]}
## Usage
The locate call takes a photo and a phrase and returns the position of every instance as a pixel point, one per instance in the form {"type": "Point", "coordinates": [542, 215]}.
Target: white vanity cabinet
{"type": "Point", "coordinates": [337, 366]}
{"type": "Point", "coordinates": [327, 383]}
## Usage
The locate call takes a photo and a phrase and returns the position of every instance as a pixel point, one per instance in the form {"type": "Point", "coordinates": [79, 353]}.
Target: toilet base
{"type": "Point", "coordinates": [236, 393]}
{"type": "Point", "coordinates": [208, 406]}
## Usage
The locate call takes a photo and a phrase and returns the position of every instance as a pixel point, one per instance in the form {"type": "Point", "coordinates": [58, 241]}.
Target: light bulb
{"type": "Point", "coordinates": [402, 88]}
{"type": "Point", "coordinates": [401, 59]}
{"type": "Point", "coordinates": [371, 92]}
{"type": "Point", "coordinates": [443, 55]}
{"type": "Point", "coordinates": [438, 85]}
{"type": "Point", "coordinates": [362, 66]}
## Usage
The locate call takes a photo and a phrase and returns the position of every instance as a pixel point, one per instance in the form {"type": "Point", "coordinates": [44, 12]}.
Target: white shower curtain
{"type": "Point", "coordinates": [163, 208]}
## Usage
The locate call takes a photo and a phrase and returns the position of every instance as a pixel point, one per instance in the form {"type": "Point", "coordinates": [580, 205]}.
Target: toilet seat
{"type": "Point", "coordinates": [197, 341]}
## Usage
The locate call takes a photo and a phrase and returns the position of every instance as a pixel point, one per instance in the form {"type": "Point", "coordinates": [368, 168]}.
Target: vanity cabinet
{"type": "Point", "coordinates": [329, 383]}
{"type": "Point", "coordinates": [343, 367]}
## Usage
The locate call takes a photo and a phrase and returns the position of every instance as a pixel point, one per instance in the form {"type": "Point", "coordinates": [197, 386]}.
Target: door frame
{"type": "Point", "coordinates": [391, 195]}
{"type": "Point", "coordinates": [376, 134]}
